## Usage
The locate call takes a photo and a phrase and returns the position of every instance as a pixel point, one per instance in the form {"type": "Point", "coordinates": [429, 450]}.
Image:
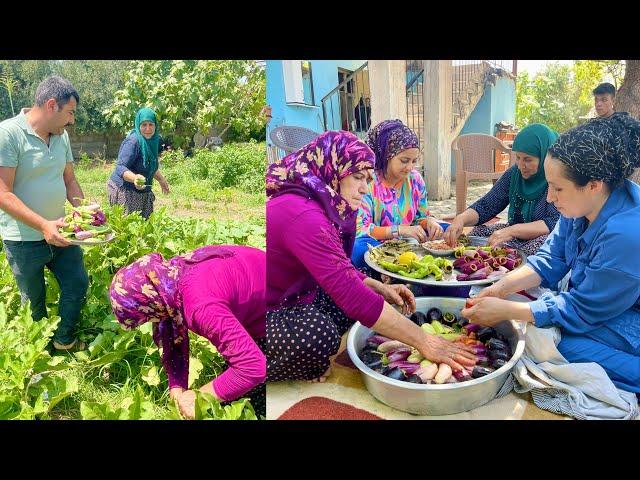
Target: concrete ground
{"type": "Point", "coordinates": [443, 209]}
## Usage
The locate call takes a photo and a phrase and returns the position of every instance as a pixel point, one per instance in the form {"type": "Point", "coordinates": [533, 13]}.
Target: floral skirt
{"type": "Point", "coordinates": [529, 247]}
{"type": "Point", "coordinates": [133, 201]}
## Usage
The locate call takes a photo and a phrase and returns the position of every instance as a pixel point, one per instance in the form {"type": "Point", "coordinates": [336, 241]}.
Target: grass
{"type": "Point", "coordinates": [97, 388]}
{"type": "Point", "coordinates": [190, 196]}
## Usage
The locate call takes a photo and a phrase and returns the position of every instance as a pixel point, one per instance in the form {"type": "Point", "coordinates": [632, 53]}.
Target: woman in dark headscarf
{"type": "Point", "coordinates": [523, 187]}
{"type": "Point", "coordinates": [215, 291]}
{"type": "Point", "coordinates": [137, 166]}
{"type": "Point", "coordinates": [396, 203]}
{"type": "Point", "coordinates": [596, 239]}
{"type": "Point", "coordinates": [314, 293]}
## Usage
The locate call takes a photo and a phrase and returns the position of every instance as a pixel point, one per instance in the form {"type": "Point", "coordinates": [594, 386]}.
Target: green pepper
{"type": "Point", "coordinates": [435, 271]}
{"type": "Point", "coordinates": [420, 273]}
{"type": "Point", "coordinates": [438, 328]}
{"type": "Point", "coordinates": [427, 327]}
{"type": "Point", "coordinates": [427, 260]}
{"type": "Point", "coordinates": [391, 267]}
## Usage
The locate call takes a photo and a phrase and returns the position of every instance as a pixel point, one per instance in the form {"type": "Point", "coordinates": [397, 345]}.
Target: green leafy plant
{"type": "Point", "coordinates": [193, 96]}
{"type": "Point", "coordinates": [29, 387]}
{"type": "Point", "coordinates": [120, 375]}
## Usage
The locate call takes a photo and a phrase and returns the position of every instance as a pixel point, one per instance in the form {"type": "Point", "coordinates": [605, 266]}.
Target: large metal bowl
{"type": "Point", "coordinates": [432, 399]}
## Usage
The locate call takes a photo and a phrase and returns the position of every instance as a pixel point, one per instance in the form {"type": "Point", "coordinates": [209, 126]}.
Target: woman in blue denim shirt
{"type": "Point", "coordinates": [597, 239]}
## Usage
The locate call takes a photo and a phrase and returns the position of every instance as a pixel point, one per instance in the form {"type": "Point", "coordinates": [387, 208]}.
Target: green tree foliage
{"type": "Point", "coordinates": [560, 96]}
{"type": "Point", "coordinates": [192, 96]}
{"type": "Point", "coordinates": [95, 80]}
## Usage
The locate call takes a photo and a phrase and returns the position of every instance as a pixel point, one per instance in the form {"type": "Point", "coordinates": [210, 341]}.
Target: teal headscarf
{"type": "Point", "coordinates": [534, 140]}
{"type": "Point", "coordinates": [149, 147]}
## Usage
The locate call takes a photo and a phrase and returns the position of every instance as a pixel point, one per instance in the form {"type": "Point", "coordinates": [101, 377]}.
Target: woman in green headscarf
{"type": "Point", "coordinates": [137, 166]}
{"type": "Point", "coordinates": [523, 187]}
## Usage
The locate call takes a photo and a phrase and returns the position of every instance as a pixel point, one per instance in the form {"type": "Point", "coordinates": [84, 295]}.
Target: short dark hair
{"type": "Point", "coordinates": [605, 88]}
{"type": "Point", "coordinates": [57, 88]}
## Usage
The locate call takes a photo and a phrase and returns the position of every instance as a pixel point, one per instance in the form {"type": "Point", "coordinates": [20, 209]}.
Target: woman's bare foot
{"type": "Point", "coordinates": [322, 378]}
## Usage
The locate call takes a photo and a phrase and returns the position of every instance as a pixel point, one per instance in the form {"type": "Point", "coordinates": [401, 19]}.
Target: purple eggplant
{"type": "Point", "coordinates": [485, 333]}
{"type": "Point", "coordinates": [461, 375]}
{"type": "Point", "coordinates": [472, 327]}
{"type": "Point", "coordinates": [485, 362]}
{"type": "Point", "coordinates": [458, 262]}
{"type": "Point", "coordinates": [495, 343]}
{"type": "Point", "coordinates": [481, 371]}
{"type": "Point", "coordinates": [434, 314]}
{"type": "Point", "coordinates": [462, 277]}
{"type": "Point", "coordinates": [510, 264]}
{"type": "Point", "coordinates": [499, 354]}
{"type": "Point", "coordinates": [377, 339]}
{"type": "Point", "coordinates": [369, 348]}
{"type": "Point", "coordinates": [479, 275]}
{"type": "Point", "coordinates": [498, 363]}
{"type": "Point", "coordinates": [395, 373]}
{"type": "Point", "coordinates": [408, 367]}
{"type": "Point", "coordinates": [482, 357]}
{"type": "Point", "coordinates": [399, 354]}
{"type": "Point", "coordinates": [370, 357]}
{"type": "Point", "coordinates": [419, 318]}
{"type": "Point", "coordinates": [478, 349]}
{"type": "Point", "coordinates": [468, 268]}
{"type": "Point", "coordinates": [391, 345]}
{"type": "Point", "coordinates": [449, 318]}
{"type": "Point", "coordinates": [414, 379]}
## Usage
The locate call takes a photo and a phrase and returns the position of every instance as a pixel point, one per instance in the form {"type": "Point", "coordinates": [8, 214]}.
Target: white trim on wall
{"type": "Point", "coordinates": [292, 74]}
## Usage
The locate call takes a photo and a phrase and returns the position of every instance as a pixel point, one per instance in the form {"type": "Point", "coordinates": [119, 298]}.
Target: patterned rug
{"type": "Point", "coordinates": [344, 397]}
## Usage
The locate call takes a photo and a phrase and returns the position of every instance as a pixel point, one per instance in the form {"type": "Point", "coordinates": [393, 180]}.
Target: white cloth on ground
{"type": "Point", "coordinates": [580, 390]}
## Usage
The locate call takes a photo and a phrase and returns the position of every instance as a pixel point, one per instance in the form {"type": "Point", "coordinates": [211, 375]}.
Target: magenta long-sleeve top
{"type": "Point", "coordinates": [304, 252]}
{"type": "Point", "coordinates": [224, 301]}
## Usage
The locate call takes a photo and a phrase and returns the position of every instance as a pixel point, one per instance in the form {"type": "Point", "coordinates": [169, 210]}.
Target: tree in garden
{"type": "Point", "coordinates": [551, 97]}
{"type": "Point", "coordinates": [628, 96]}
{"type": "Point", "coordinates": [193, 96]}
{"type": "Point", "coordinates": [95, 80]}
{"type": "Point", "coordinates": [561, 95]}
{"type": "Point", "coordinates": [9, 83]}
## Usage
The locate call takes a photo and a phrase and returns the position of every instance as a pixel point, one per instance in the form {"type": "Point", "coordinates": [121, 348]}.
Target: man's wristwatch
{"type": "Point", "coordinates": [395, 231]}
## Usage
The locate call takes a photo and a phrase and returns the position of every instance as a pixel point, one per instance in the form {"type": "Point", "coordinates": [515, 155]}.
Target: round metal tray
{"type": "Point", "coordinates": [448, 279]}
{"type": "Point", "coordinates": [83, 243]}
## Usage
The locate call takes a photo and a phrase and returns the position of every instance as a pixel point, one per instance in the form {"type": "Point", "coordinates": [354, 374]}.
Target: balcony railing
{"type": "Point", "coordinates": [348, 106]}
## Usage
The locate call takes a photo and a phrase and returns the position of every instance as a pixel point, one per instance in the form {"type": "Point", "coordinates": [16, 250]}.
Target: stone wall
{"type": "Point", "coordinates": [104, 145]}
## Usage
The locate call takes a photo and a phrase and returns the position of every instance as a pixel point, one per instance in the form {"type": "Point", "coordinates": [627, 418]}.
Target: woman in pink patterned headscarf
{"type": "Point", "coordinates": [215, 291]}
{"type": "Point", "coordinates": [314, 293]}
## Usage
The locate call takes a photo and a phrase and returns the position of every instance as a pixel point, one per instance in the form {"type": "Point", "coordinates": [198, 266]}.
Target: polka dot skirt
{"type": "Point", "coordinates": [301, 339]}
{"type": "Point", "coordinates": [529, 247]}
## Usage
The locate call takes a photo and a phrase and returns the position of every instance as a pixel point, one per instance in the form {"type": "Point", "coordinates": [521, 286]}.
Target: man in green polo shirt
{"type": "Point", "coordinates": [36, 176]}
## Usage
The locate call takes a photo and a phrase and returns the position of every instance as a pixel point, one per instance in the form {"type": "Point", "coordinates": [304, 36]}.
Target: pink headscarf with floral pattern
{"type": "Point", "coordinates": [147, 290]}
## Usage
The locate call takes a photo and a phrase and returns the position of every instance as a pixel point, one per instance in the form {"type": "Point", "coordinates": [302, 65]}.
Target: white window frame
{"type": "Point", "coordinates": [293, 86]}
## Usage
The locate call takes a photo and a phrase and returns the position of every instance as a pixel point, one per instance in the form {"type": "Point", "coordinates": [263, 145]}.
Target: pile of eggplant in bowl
{"type": "Point", "coordinates": [399, 377]}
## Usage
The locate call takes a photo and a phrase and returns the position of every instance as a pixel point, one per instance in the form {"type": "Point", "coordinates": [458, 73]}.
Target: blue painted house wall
{"type": "Point", "coordinates": [324, 74]}
{"type": "Point", "coordinates": [498, 104]}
